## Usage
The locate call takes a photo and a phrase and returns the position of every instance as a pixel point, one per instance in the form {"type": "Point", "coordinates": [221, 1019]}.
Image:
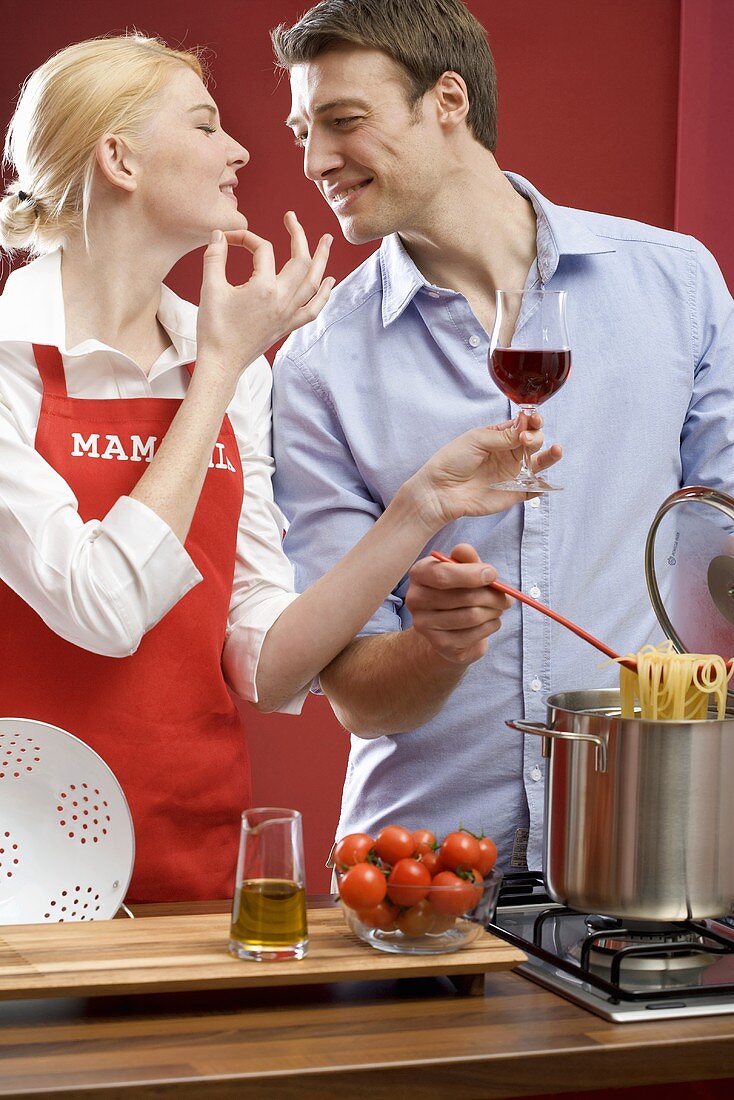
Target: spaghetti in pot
{"type": "Point", "coordinates": [673, 686]}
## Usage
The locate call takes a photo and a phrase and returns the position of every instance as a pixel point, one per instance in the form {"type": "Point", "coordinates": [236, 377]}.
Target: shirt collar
{"type": "Point", "coordinates": [559, 233]}
{"type": "Point", "coordinates": [32, 311]}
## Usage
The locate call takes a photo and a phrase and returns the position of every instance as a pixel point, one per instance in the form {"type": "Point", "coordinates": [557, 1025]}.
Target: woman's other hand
{"type": "Point", "coordinates": [452, 607]}
{"type": "Point", "coordinates": [236, 324]}
{"type": "Point", "coordinates": [457, 481]}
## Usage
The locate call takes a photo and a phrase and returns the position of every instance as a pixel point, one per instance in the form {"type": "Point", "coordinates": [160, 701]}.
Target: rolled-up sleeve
{"type": "Point", "coordinates": [319, 487]}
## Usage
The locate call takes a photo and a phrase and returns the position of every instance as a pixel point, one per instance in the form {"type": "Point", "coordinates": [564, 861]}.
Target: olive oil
{"type": "Point", "coordinates": [269, 919]}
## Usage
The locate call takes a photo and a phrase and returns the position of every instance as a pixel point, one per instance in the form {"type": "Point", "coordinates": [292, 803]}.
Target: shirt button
{"type": "Point", "coordinates": [535, 502]}
{"type": "Point", "coordinates": [536, 684]}
{"type": "Point", "coordinates": [536, 774]}
{"type": "Point", "coordinates": [535, 592]}
{"type": "Point", "coordinates": [433, 294]}
{"type": "Point", "coordinates": [474, 341]}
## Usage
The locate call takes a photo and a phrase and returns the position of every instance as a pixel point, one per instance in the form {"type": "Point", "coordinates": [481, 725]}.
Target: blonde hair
{"type": "Point", "coordinates": [104, 85]}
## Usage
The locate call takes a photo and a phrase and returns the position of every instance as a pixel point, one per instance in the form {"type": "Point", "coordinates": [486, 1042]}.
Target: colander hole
{"type": "Point", "coordinates": [75, 804]}
{"type": "Point", "coordinates": [104, 832]}
{"type": "Point", "coordinates": [104, 803]}
{"type": "Point", "coordinates": [53, 902]}
{"type": "Point", "coordinates": [72, 787]}
{"type": "Point", "coordinates": [84, 839]}
{"type": "Point", "coordinates": [71, 835]}
{"type": "Point", "coordinates": [95, 821]}
{"type": "Point", "coordinates": [63, 908]}
{"type": "Point", "coordinates": [85, 786]}
{"type": "Point", "coordinates": [63, 893]}
{"type": "Point", "coordinates": [85, 812]}
{"type": "Point", "coordinates": [46, 916]}
{"type": "Point", "coordinates": [63, 794]}
{"type": "Point", "coordinates": [107, 817]}
{"type": "Point", "coordinates": [16, 775]}
{"type": "Point", "coordinates": [62, 823]}
{"type": "Point", "coordinates": [10, 874]}
{"type": "Point", "coordinates": [89, 889]}
{"type": "Point", "coordinates": [77, 889]}
{"type": "Point", "coordinates": [94, 839]}
{"type": "Point", "coordinates": [96, 791]}
{"type": "Point", "coordinates": [15, 847]}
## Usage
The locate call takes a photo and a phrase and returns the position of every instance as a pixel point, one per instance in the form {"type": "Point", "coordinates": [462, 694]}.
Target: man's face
{"type": "Point", "coordinates": [373, 158]}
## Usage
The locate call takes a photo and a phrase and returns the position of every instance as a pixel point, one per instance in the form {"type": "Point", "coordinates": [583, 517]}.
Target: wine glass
{"type": "Point", "coordinates": [529, 360]}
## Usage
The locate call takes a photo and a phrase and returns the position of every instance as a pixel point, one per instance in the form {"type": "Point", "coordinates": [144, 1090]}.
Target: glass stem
{"type": "Point", "coordinates": [526, 470]}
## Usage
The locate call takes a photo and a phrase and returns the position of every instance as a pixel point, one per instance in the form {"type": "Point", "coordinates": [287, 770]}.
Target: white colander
{"type": "Point", "coordinates": [66, 836]}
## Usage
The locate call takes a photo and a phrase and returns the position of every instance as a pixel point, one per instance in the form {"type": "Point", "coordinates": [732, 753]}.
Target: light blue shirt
{"type": "Point", "coordinates": [395, 367]}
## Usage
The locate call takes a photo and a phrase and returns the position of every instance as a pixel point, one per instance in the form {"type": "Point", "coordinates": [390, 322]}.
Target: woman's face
{"type": "Point", "coordinates": [187, 166]}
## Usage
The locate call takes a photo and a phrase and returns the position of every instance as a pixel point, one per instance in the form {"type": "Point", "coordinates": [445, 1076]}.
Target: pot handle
{"type": "Point", "coordinates": [600, 756]}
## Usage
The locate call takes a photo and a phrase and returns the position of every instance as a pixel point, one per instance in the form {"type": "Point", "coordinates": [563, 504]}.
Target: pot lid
{"type": "Point", "coordinates": [689, 568]}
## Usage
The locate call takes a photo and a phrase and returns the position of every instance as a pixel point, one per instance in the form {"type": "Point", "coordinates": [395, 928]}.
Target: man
{"type": "Point", "coordinates": [394, 105]}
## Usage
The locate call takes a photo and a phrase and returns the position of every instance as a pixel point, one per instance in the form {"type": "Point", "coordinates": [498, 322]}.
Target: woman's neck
{"type": "Point", "coordinates": [112, 293]}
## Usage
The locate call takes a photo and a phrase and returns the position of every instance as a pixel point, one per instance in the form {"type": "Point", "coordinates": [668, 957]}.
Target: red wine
{"type": "Point", "coordinates": [529, 376]}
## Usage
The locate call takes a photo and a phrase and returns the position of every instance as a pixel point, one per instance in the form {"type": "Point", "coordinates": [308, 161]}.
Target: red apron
{"type": "Point", "coordinates": [162, 719]}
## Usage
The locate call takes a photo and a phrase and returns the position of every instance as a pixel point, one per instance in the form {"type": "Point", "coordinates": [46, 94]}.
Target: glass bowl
{"type": "Point", "coordinates": [426, 928]}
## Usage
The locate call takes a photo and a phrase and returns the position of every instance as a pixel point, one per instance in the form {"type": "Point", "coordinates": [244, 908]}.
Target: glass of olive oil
{"type": "Point", "coordinates": [269, 908]}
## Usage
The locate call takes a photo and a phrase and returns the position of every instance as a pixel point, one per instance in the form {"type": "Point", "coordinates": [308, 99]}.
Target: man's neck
{"type": "Point", "coordinates": [482, 237]}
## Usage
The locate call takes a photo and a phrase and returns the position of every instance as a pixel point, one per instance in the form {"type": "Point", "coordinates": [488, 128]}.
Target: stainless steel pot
{"type": "Point", "coordinates": [639, 815]}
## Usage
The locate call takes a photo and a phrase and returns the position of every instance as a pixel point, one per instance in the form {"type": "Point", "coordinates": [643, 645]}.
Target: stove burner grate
{"type": "Point", "coordinates": [687, 945]}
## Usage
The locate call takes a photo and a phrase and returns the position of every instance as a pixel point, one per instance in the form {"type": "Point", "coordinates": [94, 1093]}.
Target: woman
{"type": "Point", "coordinates": [140, 546]}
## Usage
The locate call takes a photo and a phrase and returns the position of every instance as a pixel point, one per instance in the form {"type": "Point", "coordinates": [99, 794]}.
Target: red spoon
{"type": "Point", "coordinates": [500, 587]}
{"type": "Point", "coordinates": [601, 646]}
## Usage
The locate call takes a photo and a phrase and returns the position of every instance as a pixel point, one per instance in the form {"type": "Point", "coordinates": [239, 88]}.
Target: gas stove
{"type": "Point", "coordinates": [620, 970]}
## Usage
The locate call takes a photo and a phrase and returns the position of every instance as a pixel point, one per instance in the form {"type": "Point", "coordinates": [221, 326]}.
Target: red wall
{"type": "Point", "coordinates": [705, 160]}
{"type": "Point", "coordinates": [588, 99]}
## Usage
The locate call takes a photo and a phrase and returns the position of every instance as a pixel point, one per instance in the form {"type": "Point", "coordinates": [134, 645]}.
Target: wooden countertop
{"type": "Point", "coordinates": [382, 1040]}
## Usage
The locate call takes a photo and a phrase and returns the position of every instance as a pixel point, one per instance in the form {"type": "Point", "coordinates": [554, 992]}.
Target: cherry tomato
{"type": "Point", "coordinates": [353, 849]}
{"type": "Point", "coordinates": [362, 886]}
{"type": "Point", "coordinates": [394, 843]}
{"type": "Point", "coordinates": [417, 920]}
{"type": "Point", "coordinates": [487, 855]}
{"type": "Point", "coordinates": [425, 841]}
{"type": "Point", "coordinates": [382, 916]}
{"type": "Point", "coordinates": [478, 885]}
{"type": "Point", "coordinates": [459, 851]}
{"type": "Point", "coordinates": [432, 861]}
{"type": "Point", "coordinates": [456, 898]}
{"type": "Point", "coordinates": [442, 921]}
{"type": "Point", "coordinates": [408, 882]}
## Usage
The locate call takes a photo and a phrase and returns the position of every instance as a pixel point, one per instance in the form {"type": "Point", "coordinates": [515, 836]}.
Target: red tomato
{"type": "Point", "coordinates": [425, 841]}
{"type": "Point", "coordinates": [417, 920]}
{"type": "Point", "coordinates": [442, 922]}
{"type": "Point", "coordinates": [362, 886]}
{"type": "Point", "coordinates": [408, 882]}
{"type": "Point", "coordinates": [394, 843]}
{"type": "Point", "coordinates": [382, 916]}
{"type": "Point", "coordinates": [432, 861]}
{"type": "Point", "coordinates": [353, 849]}
{"type": "Point", "coordinates": [456, 898]}
{"type": "Point", "coordinates": [487, 855]}
{"type": "Point", "coordinates": [460, 851]}
{"type": "Point", "coordinates": [478, 885]}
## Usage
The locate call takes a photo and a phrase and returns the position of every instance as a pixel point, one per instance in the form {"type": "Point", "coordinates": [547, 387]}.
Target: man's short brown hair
{"type": "Point", "coordinates": [425, 37]}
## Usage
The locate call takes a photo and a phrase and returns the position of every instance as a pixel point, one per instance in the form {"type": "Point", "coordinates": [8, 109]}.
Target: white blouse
{"type": "Point", "coordinates": [103, 584]}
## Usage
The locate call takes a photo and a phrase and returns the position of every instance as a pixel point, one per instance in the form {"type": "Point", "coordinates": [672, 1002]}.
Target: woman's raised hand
{"type": "Point", "coordinates": [238, 323]}
{"type": "Point", "coordinates": [457, 481]}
